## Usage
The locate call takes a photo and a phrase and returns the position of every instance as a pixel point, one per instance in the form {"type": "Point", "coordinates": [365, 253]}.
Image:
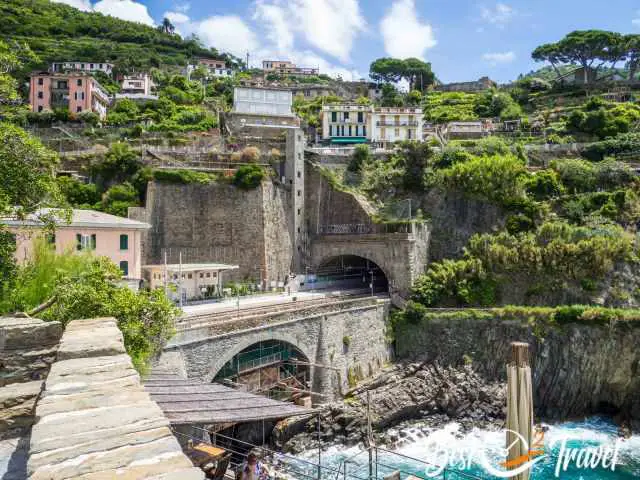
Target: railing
{"type": "Point", "coordinates": [411, 123]}
{"type": "Point", "coordinates": [363, 229]}
{"type": "Point", "coordinates": [345, 229]}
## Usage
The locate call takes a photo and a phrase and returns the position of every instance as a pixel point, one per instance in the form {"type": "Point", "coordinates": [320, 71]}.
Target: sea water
{"type": "Point", "coordinates": [462, 452]}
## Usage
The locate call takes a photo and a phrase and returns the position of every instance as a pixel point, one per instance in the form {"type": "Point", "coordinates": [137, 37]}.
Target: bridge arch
{"type": "Point", "coordinates": [246, 341]}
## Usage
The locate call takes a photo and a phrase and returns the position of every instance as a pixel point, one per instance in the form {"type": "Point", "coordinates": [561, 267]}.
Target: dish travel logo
{"type": "Point", "coordinates": [582, 458]}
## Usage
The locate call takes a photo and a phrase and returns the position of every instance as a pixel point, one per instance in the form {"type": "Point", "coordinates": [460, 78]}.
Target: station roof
{"type": "Point", "coordinates": [189, 401]}
{"type": "Point", "coordinates": [193, 267]}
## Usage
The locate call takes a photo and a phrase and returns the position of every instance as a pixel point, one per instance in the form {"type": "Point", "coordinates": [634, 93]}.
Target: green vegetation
{"type": "Point", "coordinates": [591, 49]}
{"type": "Point", "coordinates": [58, 32]}
{"type": "Point", "coordinates": [248, 177]}
{"type": "Point", "coordinates": [86, 286]}
{"type": "Point", "coordinates": [184, 176]}
{"type": "Point", "coordinates": [413, 70]}
{"type": "Point", "coordinates": [443, 107]}
{"type": "Point", "coordinates": [540, 318]}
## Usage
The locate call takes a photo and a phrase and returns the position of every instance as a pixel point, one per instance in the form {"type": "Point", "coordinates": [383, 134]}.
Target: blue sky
{"type": "Point", "coordinates": [463, 39]}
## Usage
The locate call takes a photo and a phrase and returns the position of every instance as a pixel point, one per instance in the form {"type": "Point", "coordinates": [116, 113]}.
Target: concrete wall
{"type": "Point", "coordinates": [318, 335]}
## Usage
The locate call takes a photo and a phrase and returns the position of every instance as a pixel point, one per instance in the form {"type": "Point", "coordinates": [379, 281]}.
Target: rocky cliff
{"type": "Point", "coordinates": [578, 369]}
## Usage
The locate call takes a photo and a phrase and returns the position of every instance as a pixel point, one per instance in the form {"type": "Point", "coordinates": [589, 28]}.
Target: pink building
{"type": "Point", "coordinates": [106, 235]}
{"type": "Point", "coordinates": [77, 92]}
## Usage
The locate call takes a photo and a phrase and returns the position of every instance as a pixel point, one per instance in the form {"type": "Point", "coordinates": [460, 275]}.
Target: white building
{"type": "Point", "coordinates": [352, 123]}
{"type": "Point", "coordinates": [346, 123]}
{"type": "Point", "coordinates": [138, 86]}
{"type": "Point", "coordinates": [215, 68]}
{"type": "Point", "coordinates": [60, 67]}
{"type": "Point", "coordinates": [396, 124]}
{"type": "Point", "coordinates": [194, 279]}
{"type": "Point", "coordinates": [263, 101]}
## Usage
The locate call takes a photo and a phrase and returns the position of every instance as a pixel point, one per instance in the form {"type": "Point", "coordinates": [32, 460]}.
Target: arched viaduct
{"type": "Point", "coordinates": [318, 333]}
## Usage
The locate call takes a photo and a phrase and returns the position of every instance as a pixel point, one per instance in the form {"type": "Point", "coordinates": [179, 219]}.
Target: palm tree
{"type": "Point", "coordinates": [166, 26]}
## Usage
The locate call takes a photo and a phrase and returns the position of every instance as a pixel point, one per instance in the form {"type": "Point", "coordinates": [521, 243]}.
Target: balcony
{"type": "Point", "coordinates": [406, 123]}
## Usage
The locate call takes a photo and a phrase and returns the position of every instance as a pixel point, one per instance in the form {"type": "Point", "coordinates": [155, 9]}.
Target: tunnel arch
{"type": "Point", "coordinates": [351, 271]}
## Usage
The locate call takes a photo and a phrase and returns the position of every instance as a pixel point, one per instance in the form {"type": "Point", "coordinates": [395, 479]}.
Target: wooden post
{"type": "Point", "coordinates": [520, 354]}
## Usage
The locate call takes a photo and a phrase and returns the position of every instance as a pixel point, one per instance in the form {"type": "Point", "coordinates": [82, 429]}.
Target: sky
{"type": "Point", "coordinates": [463, 39]}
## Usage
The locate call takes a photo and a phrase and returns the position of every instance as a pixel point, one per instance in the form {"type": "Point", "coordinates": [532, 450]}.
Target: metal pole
{"type": "Point", "coordinates": [165, 274]}
{"type": "Point", "coordinates": [369, 435]}
{"type": "Point", "coordinates": [180, 278]}
{"type": "Point", "coordinates": [238, 300]}
{"type": "Point", "coordinates": [319, 451]}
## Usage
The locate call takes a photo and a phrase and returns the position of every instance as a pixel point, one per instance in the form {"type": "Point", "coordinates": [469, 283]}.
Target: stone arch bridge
{"type": "Point", "coordinates": [201, 348]}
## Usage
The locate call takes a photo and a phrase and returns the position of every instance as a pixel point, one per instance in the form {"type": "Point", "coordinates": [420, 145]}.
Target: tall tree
{"type": "Point", "coordinates": [549, 52]}
{"type": "Point", "coordinates": [166, 26]}
{"type": "Point", "coordinates": [632, 45]}
{"type": "Point", "coordinates": [414, 70]}
{"type": "Point", "coordinates": [585, 48]}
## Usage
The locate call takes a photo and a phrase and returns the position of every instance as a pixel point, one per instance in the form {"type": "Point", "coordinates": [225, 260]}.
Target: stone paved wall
{"type": "Point", "coordinates": [220, 223]}
{"type": "Point", "coordinates": [94, 419]}
{"type": "Point", "coordinates": [320, 336]}
{"type": "Point", "coordinates": [27, 348]}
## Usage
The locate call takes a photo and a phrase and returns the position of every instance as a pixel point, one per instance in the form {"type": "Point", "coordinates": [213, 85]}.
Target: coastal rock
{"type": "Point", "coordinates": [404, 393]}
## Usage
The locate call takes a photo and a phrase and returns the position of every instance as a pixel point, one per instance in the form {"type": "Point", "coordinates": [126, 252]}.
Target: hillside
{"type": "Point", "coordinates": [59, 32]}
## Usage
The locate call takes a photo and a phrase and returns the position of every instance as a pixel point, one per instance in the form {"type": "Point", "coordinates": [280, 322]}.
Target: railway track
{"type": "Point", "coordinates": [232, 315]}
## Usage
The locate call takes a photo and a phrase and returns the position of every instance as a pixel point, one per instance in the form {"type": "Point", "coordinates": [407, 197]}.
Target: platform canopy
{"type": "Point", "coordinates": [186, 401]}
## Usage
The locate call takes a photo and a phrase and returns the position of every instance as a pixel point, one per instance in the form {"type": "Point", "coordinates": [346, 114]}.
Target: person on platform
{"type": "Point", "coordinates": [253, 469]}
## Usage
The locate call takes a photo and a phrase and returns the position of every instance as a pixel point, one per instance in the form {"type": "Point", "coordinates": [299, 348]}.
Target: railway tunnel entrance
{"type": "Point", "coordinates": [352, 273]}
{"type": "Point", "coordinates": [273, 368]}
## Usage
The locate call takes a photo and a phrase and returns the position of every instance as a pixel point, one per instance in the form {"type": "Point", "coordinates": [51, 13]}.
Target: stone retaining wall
{"type": "Point", "coordinates": [95, 421]}
{"type": "Point", "coordinates": [27, 348]}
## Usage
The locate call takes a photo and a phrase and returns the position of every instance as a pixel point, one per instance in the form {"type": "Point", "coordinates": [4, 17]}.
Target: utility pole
{"type": "Point", "coordinates": [180, 278]}
{"type": "Point", "coordinates": [369, 435]}
{"type": "Point", "coordinates": [247, 60]}
{"type": "Point", "coordinates": [165, 276]}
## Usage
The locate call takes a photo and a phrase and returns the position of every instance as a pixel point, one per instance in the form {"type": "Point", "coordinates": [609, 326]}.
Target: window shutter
{"type": "Point", "coordinates": [78, 241]}
{"type": "Point", "coordinates": [93, 241]}
{"type": "Point", "coordinates": [124, 242]}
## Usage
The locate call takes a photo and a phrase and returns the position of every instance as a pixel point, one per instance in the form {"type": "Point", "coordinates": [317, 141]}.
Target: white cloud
{"type": "Point", "coordinates": [227, 33]}
{"type": "Point", "coordinates": [277, 24]}
{"type": "Point", "coordinates": [329, 25]}
{"type": "Point", "coordinates": [84, 5]}
{"type": "Point", "coordinates": [499, 15]}
{"type": "Point", "coordinates": [404, 34]}
{"type": "Point", "coordinates": [499, 57]}
{"type": "Point", "coordinates": [182, 7]}
{"type": "Point", "coordinates": [636, 21]}
{"type": "Point", "coordinates": [176, 18]}
{"type": "Point", "coordinates": [125, 10]}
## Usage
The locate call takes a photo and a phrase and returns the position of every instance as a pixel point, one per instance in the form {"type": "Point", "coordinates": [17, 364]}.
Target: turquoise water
{"type": "Point", "coordinates": [465, 452]}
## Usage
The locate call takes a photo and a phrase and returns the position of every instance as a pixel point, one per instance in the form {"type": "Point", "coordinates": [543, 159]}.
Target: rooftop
{"type": "Point", "coordinates": [190, 401]}
{"type": "Point", "coordinates": [79, 218]}
{"type": "Point", "coordinates": [193, 267]}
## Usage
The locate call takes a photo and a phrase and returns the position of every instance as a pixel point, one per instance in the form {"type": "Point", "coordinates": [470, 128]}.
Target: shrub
{"type": "Point", "coordinates": [248, 177]}
{"type": "Point", "coordinates": [119, 198]}
{"type": "Point", "coordinates": [183, 176]}
{"type": "Point", "coordinates": [543, 185]}
{"type": "Point", "coordinates": [361, 155]}
{"type": "Point", "coordinates": [250, 155]}
{"type": "Point", "coordinates": [576, 175]}
{"type": "Point", "coordinates": [496, 178]}
{"type": "Point", "coordinates": [78, 193]}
